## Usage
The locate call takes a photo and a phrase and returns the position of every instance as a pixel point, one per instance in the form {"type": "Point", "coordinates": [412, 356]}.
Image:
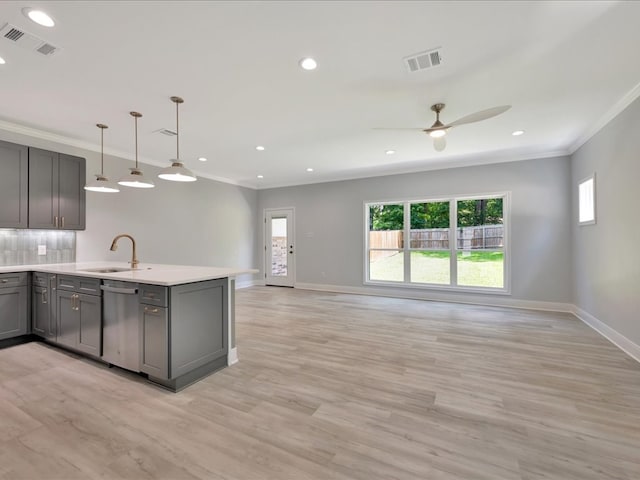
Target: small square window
{"type": "Point", "coordinates": [587, 201]}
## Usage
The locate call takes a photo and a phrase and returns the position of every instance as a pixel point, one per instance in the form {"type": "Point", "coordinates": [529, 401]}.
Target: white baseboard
{"type": "Point", "coordinates": [232, 356]}
{"type": "Point", "coordinates": [249, 283]}
{"type": "Point", "coordinates": [473, 299]}
{"type": "Point", "coordinates": [619, 340]}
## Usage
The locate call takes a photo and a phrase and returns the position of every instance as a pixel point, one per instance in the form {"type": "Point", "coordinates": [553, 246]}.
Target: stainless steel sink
{"type": "Point", "coordinates": [106, 270]}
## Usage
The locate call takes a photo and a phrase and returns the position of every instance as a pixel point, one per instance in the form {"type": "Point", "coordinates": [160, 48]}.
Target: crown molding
{"type": "Point", "coordinates": [94, 147]}
{"type": "Point", "coordinates": [610, 114]}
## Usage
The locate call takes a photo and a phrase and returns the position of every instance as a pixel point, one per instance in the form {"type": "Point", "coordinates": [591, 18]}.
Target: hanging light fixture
{"type": "Point", "coordinates": [177, 172]}
{"type": "Point", "coordinates": [136, 179]}
{"type": "Point", "coordinates": [101, 183]}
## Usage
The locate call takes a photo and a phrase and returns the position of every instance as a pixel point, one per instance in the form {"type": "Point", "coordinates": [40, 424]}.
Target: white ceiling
{"type": "Point", "coordinates": [563, 66]}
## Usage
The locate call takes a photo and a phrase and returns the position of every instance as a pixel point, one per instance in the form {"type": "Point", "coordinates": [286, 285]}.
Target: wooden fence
{"type": "Point", "coordinates": [483, 236]}
{"type": "Point", "coordinates": [469, 238]}
{"type": "Point", "coordinates": [384, 239]}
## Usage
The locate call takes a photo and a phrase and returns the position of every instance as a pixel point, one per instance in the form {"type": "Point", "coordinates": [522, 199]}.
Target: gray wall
{"type": "Point", "coordinates": [606, 269]}
{"type": "Point", "coordinates": [329, 222]}
{"type": "Point", "coordinates": [203, 223]}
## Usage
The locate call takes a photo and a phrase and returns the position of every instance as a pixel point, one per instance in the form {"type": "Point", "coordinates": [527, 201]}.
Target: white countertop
{"type": "Point", "coordinates": [156, 274]}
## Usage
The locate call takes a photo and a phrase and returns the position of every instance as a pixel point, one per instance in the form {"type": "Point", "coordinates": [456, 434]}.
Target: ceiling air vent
{"type": "Point", "coordinates": [166, 131]}
{"type": "Point", "coordinates": [26, 40]}
{"type": "Point", "coordinates": [423, 60]}
{"type": "Point", "coordinates": [47, 49]}
{"type": "Point", "coordinates": [14, 34]}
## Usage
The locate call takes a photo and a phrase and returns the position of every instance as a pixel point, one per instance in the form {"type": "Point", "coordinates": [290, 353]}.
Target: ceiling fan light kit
{"type": "Point", "coordinates": [438, 130]}
{"type": "Point", "coordinates": [177, 172]}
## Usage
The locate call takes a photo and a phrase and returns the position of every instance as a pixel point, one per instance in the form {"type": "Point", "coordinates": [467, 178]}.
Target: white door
{"type": "Point", "coordinates": [280, 265]}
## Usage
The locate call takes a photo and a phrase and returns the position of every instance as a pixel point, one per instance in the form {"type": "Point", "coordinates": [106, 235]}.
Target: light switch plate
{"type": "Point", "coordinates": [42, 249]}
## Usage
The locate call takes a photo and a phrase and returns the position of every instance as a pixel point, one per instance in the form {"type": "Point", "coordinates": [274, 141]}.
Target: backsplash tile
{"type": "Point", "coordinates": [20, 247]}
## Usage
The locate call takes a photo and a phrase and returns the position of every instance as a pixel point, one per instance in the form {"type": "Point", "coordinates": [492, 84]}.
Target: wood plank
{"type": "Point", "coordinates": [334, 386]}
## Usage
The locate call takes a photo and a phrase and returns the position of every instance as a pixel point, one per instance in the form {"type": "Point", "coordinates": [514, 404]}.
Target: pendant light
{"type": "Point", "coordinates": [177, 172]}
{"type": "Point", "coordinates": [136, 179]}
{"type": "Point", "coordinates": [101, 183]}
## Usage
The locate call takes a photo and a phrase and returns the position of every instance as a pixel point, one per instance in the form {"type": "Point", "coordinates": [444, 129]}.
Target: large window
{"type": "Point", "coordinates": [452, 243]}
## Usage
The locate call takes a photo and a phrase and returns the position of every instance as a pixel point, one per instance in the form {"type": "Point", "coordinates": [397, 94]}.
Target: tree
{"type": "Point", "coordinates": [386, 217]}
{"type": "Point", "coordinates": [436, 214]}
{"type": "Point", "coordinates": [479, 212]}
{"type": "Point", "coordinates": [430, 215]}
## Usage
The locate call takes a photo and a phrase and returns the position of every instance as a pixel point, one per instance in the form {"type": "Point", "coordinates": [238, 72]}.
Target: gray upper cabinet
{"type": "Point", "coordinates": [56, 190]}
{"type": "Point", "coordinates": [71, 192]}
{"type": "Point", "coordinates": [14, 168]}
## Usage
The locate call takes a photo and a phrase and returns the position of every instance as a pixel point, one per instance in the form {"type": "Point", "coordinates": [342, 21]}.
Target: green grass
{"type": "Point", "coordinates": [477, 269]}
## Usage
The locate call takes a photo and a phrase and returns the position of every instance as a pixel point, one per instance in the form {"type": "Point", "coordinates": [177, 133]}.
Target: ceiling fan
{"type": "Point", "coordinates": [438, 130]}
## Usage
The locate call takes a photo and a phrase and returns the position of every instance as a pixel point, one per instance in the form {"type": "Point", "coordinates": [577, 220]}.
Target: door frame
{"type": "Point", "coordinates": [291, 265]}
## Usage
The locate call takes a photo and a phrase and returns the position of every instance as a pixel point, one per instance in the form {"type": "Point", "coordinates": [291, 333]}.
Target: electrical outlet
{"type": "Point", "coordinates": [42, 249]}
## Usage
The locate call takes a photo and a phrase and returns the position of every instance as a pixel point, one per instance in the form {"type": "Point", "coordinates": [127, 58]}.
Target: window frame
{"type": "Point", "coordinates": [453, 243]}
{"type": "Point", "coordinates": [591, 177]}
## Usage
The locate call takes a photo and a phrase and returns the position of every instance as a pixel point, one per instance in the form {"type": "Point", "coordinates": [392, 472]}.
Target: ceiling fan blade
{"type": "Point", "coordinates": [439, 143]}
{"type": "Point", "coordinates": [481, 115]}
{"type": "Point", "coordinates": [398, 129]}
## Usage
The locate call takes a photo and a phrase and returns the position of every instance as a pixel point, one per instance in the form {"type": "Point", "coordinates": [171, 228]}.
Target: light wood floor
{"type": "Point", "coordinates": [333, 386]}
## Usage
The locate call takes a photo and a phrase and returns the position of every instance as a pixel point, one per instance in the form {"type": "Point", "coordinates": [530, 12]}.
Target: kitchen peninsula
{"type": "Point", "coordinates": [172, 323]}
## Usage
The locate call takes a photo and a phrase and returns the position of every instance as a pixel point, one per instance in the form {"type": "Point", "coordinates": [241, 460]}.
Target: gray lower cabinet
{"type": "Point", "coordinates": [43, 306]}
{"type": "Point", "coordinates": [79, 315]}
{"type": "Point", "coordinates": [183, 331]}
{"type": "Point", "coordinates": [14, 304]}
{"type": "Point", "coordinates": [56, 190]}
{"type": "Point", "coordinates": [14, 184]}
{"type": "Point", "coordinates": [154, 341]}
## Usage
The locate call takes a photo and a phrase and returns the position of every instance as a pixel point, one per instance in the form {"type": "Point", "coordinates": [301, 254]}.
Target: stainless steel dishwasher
{"type": "Point", "coordinates": [120, 324]}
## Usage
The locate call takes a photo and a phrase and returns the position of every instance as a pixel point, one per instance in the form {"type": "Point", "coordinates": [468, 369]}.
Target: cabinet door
{"type": "Point", "coordinates": [154, 341]}
{"type": "Point", "coordinates": [68, 319]}
{"type": "Point", "coordinates": [53, 310]}
{"type": "Point", "coordinates": [14, 307]}
{"type": "Point", "coordinates": [40, 311]}
{"type": "Point", "coordinates": [14, 184]}
{"type": "Point", "coordinates": [89, 324]}
{"type": "Point", "coordinates": [43, 189]}
{"type": "Point", "coordinates": [71, 191]}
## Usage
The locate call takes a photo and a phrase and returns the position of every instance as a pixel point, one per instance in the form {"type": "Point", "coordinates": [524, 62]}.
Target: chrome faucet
{"type": "Point", "coordinates": [114, 247]}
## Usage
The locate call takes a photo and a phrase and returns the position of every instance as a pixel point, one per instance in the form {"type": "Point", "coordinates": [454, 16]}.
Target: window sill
{"type": "Point", "coordinates": [441, 288]}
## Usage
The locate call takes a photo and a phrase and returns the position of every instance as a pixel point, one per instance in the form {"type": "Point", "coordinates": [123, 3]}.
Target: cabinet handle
{"type": "Point", "coordinates": [74, 302]}
{"type": "Point", "coordinates": [61, 222]}
{"type": "Point", "coordinates": [44, 296]}
{"type": "Point", "coordinates": [55, 221]}
{"type": "Point", "coordinates": [151, 295]}
{"type": "Point", "coordinates": [4, 280]}
{"type": "Point", "coordinates": [150, 310]}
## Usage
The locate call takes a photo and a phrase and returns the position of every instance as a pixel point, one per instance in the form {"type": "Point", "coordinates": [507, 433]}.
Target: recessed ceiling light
{"type": "Point", "coordinates": [260, 176]}
{"type": "Point", "coordinates": [202, 159]}
{"type": "Point", "coordinates": [308, 63]}
{"type": "Point", "coordinates": [309, 169]}
{"type": "Point", "coordinates": [390, 152]}
{"type": "Point", "coordinates": [2, 62]}
{"type": "Point", "coordinates": [39, 17]}
{"type": "Point", "coordinates": [260, 148]}
{"type": "Point", "coordinates": [517, 133]}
